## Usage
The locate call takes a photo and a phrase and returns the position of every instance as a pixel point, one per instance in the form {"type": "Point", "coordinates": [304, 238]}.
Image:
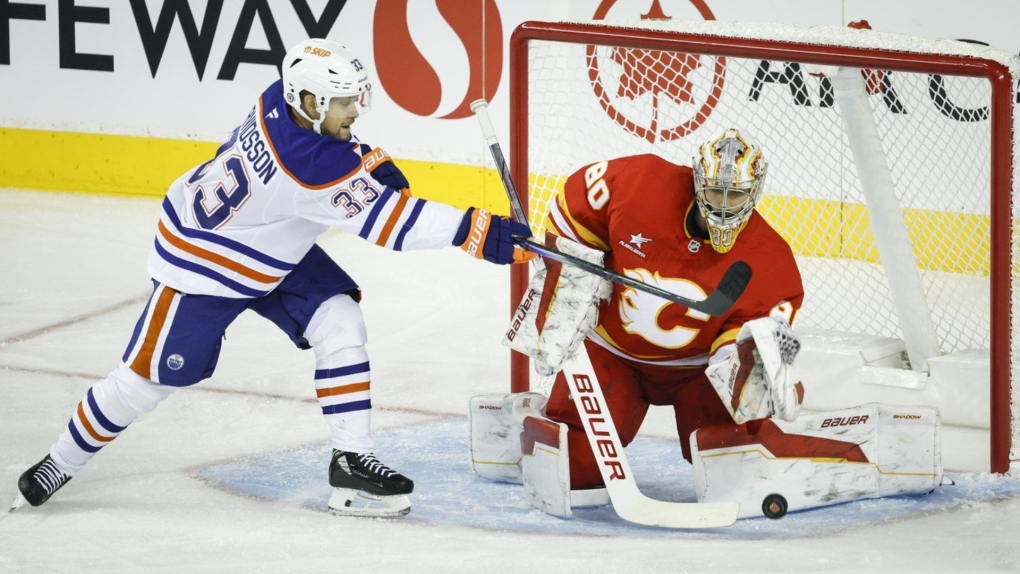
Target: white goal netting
{"type": "Point", "coordinates": [904, 248]}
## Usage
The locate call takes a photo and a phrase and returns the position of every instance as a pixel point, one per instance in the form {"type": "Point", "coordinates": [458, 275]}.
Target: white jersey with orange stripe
{"type": "Point", "coordinates": [237, 224]}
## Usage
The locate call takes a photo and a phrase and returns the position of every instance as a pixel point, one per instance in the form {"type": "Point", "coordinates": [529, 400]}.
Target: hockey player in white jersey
{"type": "Point", "coordinates": [238, 232]}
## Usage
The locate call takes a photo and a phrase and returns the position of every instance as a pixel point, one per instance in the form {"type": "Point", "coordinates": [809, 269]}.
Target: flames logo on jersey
{"type": "Point", "coordinates": [639, 311]}
{"type": "Point", "coordinates": [655, 95]}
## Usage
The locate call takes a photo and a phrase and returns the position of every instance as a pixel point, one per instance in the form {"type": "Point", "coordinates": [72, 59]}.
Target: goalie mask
{"type": "Point", "coordinates": [331, 73]}
{"type": "Point", "coordinates": [728, 176]}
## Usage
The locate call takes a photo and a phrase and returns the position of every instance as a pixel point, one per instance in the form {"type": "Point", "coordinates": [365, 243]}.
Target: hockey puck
{"type": "Point", "coordinates": [774, 506]}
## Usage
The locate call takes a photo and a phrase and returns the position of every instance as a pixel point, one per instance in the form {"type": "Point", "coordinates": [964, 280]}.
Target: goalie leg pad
{"type": "Point", "coordinates": [545, 470]}
{"type": "Point", "coordinates": [545, 466]}
{"type": "Point", "coordinates": [352, 502]}
{"type": "Point", "coordinates": [496, 425]}
{"type": "Point", "coordinates": [821, 459]}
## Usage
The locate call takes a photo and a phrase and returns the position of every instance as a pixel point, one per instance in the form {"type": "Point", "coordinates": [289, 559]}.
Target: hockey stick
{"type": "Point", "coordinates": [730, 287]}
{"type": "Point", "coordinates": [717, 303]}
{"type": "Point", "coordinates": [481, 110]}
{"type": "Point", "coordinates": [628, 501]}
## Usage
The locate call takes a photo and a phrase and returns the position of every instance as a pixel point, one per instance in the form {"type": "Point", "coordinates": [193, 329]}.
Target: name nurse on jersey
{"type": "Point", "coordinates": [256, 150]}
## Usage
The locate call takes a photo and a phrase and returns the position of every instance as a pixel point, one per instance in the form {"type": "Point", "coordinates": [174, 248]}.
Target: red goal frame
{"type": "Point", "coordinates": [1001, 118]}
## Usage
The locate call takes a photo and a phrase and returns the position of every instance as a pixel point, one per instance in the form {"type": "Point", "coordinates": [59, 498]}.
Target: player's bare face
{"type": "Point", "coordinates": [340, 116]}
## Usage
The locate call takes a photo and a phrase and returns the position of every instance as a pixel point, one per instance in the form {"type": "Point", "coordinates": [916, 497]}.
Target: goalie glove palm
{"type": "Point", "coordinates": [755, 381]}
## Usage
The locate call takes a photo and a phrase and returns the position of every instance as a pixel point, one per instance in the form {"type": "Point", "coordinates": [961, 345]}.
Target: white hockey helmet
{"type": "Point", "coordinates": [327, 70]}
{"type": "Point", "coordinates": [729, 173]}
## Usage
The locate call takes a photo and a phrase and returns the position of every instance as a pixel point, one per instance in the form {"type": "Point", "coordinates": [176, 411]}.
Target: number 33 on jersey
{"type": "Point", "coordinates": [237, 224]}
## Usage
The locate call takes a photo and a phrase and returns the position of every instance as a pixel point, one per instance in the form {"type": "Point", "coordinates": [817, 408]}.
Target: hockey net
{"type": "Point", "coordinates": [894, 180]}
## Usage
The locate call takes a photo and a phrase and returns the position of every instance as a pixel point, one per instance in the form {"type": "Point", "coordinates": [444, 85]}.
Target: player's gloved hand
{"type": "Point", "coordinates": [383, 170]}
{"type": "Point", "coordinates": [757, 381]}
{"type": "Point", "coordinates": [490, 237]}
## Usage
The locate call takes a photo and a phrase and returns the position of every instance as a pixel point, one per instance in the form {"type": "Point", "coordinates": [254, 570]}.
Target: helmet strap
{"type": "Point", "coordinates": [316, 124]}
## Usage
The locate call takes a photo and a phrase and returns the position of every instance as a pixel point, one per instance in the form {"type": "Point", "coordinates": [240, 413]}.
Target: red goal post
{"type": "Point", "coordinates": [910, 266]}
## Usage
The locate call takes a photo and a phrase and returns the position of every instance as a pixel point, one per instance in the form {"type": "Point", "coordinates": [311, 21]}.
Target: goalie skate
{"type": "Point", "coordinates": [363, 486]}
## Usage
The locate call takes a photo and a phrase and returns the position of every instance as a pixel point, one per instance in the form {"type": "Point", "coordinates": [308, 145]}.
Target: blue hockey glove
{"type": "Point", "coordinates": [490, 237]}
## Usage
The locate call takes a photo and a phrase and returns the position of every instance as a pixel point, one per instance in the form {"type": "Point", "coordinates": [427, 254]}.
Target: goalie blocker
{"type": "Point", "coordinates": [772, 466]}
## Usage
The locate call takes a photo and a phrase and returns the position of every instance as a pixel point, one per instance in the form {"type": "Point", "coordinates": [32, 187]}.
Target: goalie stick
{"type": "Point", "coordinates": [628, 501]}
{"type": "Point", "coordinates": [730, 287]}
{"type": "Point", "coordinates": [717, 303]}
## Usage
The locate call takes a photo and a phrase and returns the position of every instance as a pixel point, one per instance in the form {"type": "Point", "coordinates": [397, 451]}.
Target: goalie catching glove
{"type": "Point", "coordinates": [755, 381]}
{"type": "Point", "coordinates": [559, 307]}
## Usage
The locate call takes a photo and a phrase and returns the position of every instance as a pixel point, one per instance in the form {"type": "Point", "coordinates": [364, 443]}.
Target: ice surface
{"type": "Point", "coordinates": [230, 475]}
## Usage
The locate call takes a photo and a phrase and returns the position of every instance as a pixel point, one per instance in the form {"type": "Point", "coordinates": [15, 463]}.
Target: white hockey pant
{"type": "Point", "coordinates": [106, 410]}
{"type": "Point", "coordinates": [338, 335]}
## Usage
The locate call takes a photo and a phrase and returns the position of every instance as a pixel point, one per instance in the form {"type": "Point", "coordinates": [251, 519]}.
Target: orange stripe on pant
{"type": "Point", "coordinates": [143, 360]}
{"type": "Point", "coordinates": [342, 390]}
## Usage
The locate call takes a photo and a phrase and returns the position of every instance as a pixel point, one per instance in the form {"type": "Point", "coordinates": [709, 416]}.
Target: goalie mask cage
{"type": "Point", "coordinates": [892, 175]}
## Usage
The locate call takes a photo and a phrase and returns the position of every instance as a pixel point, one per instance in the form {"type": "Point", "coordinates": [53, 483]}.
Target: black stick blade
{"type": "Point", "coordinates": [730, 288]}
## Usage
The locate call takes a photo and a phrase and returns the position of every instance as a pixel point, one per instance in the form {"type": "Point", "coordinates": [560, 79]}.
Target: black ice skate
{"type": "Point", "coordinates": [38, 483]}
{"type": "Point", "coordinates": [363, 486]}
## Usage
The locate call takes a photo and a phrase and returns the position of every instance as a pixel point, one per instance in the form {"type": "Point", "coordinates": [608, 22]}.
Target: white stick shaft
{"type": "Point", "coordinates": [481, 110]}
{"type": "Point", "coordinates": [628, 502]}
{"type": "Point", "coordinates": [887, 225]}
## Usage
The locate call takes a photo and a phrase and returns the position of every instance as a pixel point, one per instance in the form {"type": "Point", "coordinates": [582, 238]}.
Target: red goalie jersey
{"type": "Point", "coordinates": [641, 210]}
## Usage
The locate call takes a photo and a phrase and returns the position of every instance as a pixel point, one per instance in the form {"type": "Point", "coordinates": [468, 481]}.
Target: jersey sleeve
{"type": "Point", "coordinates": [572, 214]}
{"type": "Point", "coordinates": [374, 211]}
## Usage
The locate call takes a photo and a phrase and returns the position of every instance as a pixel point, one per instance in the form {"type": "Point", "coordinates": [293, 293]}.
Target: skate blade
{"type": "Point", "coordinates": [349, 502]}
{"type": "Point", "coordinates": [19, 501]}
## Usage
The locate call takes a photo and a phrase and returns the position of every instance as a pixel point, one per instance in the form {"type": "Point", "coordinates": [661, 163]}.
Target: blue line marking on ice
{"type": "Point", "coordinates": [436, 456]}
